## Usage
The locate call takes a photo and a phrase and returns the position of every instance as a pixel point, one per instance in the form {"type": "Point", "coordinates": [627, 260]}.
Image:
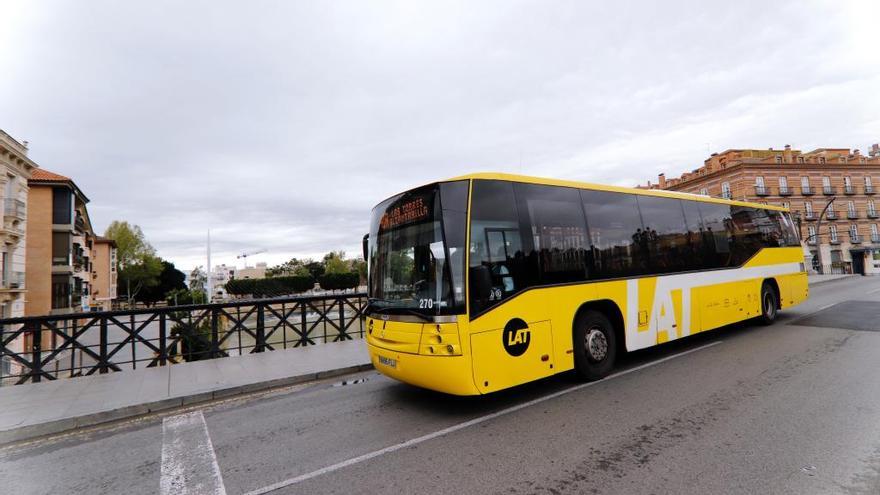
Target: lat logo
{"type": "Point", "coordinates": [516, 337]}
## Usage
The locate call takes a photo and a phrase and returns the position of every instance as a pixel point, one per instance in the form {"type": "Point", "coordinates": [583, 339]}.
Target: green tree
{"type": "Point", "coordinates": [293, 267]}
{"type": "Point", "coordinates": [170, 279]}
{"type": "Point", "coordinates": [334, 262]}
{"type": "Point", "coordinates": [137, 264]}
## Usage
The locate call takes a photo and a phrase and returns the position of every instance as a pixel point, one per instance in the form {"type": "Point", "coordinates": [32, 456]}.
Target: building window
{"type": "Point", "coordinates": [851, 208]}
{"type": "Point", "coordinates": [871, 210]}
{"type": "Point", "coordinates": [725, 190]}
{"type": "Point", "coordinates": [60, 248]}
{"type": "Point", "coordinates": [778, 160]}
{"type": "Point", "coordinates": [62, 206]}
{"type": "Point", "coordinates": [60, 291]}
{"type": "Point", "coordinates": [811, 238]}
{"type": "Point", "coordinates": [874, 233]}
{"type": "Point", "coordinates": [854, 231]}
{"type": "Point", "coordinates": [833, 230]}
{"type": "Point", "coordinates": [800, 159]}
{"type": "Point", "coordinates": [822, 160]}
{"type": "Point", "coordinates": [808, 208]}
{"type": "Point", "coordinates": [869, 188]}
{"type": "Point", "coordinates": [842, 159]}
{"type": "Point", "coordinates": [704, 191]}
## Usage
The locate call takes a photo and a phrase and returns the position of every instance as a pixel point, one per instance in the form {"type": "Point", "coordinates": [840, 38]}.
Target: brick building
{"type": "Point", "coordinates": [805, 182]}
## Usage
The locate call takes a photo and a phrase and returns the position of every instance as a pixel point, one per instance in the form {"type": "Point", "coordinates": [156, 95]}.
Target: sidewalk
{"type": "Point", "coordinates": [38, 409]}
{"type": "Point", "coordinates": [816, 279]}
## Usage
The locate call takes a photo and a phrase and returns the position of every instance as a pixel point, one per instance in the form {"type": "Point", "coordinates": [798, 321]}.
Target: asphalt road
{"type": "Point", "coordinates": [791, 408]}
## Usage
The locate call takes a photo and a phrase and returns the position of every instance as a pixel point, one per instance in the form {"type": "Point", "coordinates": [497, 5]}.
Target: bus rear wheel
{"type": "Point", "coordinates": [595, 345]}
{"type": "Point", "coordinates": [769, 304]}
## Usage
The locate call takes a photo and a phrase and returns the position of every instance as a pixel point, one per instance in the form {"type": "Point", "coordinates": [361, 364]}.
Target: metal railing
{"type": "Point", "coordinates": [855, 239]}
{"type": "Point", "coordinates": [849, 190]}
{"type": "Point", "coordinates": [872, 214]}
{"type": "Point", "coordinates": [15, 208]}
{"type": "Point", "coordinates": [829, 190]}
{"type": "Point", "coordinates": [810, 216]}
{"type": "Point", "coordinates": [784, 191]}
{"type": "Point", "coordinates": [852, 214]}
{"type": "Point", "coordinates": [762, 190]}
{"type": "Point", "coordinates": [869, 189]}
{"type": "Point", "coordinates": [807, 191]}
{"type": "Point", "coordinates": [831, 215]}
{"type": "Point", "coordinates": [52, 347]}
{"type": "Point", "coordinates": [875, 238]}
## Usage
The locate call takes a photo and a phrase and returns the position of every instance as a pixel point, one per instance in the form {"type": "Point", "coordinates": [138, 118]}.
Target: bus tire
{"type": "Point", "coordinates": [769, 304]}
{"type": "Point", "coordinates": [595, 345]}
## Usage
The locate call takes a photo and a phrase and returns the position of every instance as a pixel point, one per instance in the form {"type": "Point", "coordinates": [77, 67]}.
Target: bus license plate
{"type": "Point", "coordinates": [391, 363]}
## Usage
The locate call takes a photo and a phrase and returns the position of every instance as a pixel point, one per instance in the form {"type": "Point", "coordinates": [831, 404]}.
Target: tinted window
{"type": "Point", "coordinates": [453, 200]}
{"type": "Point", "coordinates": [559, 234]}
{"type": "Point", "coordinates": [716, 234]}
{"type": "Point", "coordinates": [664, 233]}
{"type": "Point", "coordinates": [695, 255]}
{"type": "Point", "coordinates": [615, 229]}
{"type": "Point", "coordinates": [61, 206]}
{"type": "Point", "coordinates": [497, 244]}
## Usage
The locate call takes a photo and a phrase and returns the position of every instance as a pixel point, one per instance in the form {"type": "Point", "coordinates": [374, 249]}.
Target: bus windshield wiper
{"type": "Point", "coordinates": [408, 311]}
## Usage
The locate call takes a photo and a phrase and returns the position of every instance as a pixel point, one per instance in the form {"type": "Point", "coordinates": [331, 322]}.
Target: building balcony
{"type": "Point", "coordinates": [12, 281]}
{"type": "Point", "coordinates": [852, 215]}
{"type": "Point", "coordinates": [829, 190]}
{"type": "Point", "coordinates": [831, 215]}
{"type": "Point", "coordinates": [873, 214]}
{"type": "Point", "coordinates": [809, 216]}
{"type": "Point", "coordinates": [811, 241]}
{"type": "Point", "coordinates": [807, 191]}
{"type": "Point", "coordinates": [835, 241]}
{"type": "Point", "coordinates": [14, 208]}
{"type": "Point", "coordinates": [726, 195]}
{"type": "Point", "coordinates": [875, 238]}
{"type": "Point", "coordinates": [869, 189]}
{"type": "Point", "coordinates": [785, 191]}
{"type": "Point", "coordinates": [762, 191]}
{"type": "Point", "coordinates": [849, 190]}
{"type": "Point", "coordinates": [855, 239]}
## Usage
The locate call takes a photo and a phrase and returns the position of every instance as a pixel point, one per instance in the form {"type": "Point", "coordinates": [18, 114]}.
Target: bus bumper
{"type": "Point", "coordinates": [447, 374]}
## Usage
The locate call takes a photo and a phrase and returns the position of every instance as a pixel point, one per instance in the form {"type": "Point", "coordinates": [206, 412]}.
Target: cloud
{"type": "Point", "coordinates": [281, 124]}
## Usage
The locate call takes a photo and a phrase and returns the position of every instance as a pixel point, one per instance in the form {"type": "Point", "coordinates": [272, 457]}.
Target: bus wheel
{"type": "Point", "coordinates": [769, 304]}
{"type": "Point", "coordinates": [595, 345]}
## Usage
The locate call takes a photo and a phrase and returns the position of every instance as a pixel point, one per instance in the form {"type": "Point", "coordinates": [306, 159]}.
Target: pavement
{"type": "Point", "coordinates": [48, 407]}
{"type": "Point", "coordinates": [789, 408]}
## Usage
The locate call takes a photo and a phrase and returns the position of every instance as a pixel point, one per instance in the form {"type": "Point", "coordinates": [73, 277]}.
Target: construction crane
{"type": "Point", "coordinates": [244, 256]}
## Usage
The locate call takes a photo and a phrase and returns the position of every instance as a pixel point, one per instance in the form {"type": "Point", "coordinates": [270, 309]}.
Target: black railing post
{"type": "Point", "coordinates": [36, 351]}
{"type": "Point", "coordinates": [261, 328]}
{"type": "Point", "coordinates": [343, 333]}
{"type": "Point", "coordinates": [304, 335]}
{"type": "Point", "coordinates": [102, 345]}
{"type": "Point", "coordinates": [163, 340]}
{"type": "Point", "coordinates": [215, 334]}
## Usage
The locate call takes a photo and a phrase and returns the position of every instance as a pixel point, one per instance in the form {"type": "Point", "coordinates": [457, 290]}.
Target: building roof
{"type": "Point", "coordinates": [105, 240]}
{"type": "Point", "coordinates": [43, 175]}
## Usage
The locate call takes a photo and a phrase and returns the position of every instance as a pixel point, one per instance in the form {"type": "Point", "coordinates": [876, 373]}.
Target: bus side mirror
{"type": "Point", "coordinates": [366, 245]}
{"type": "Point", "coordinates": [481, 282]}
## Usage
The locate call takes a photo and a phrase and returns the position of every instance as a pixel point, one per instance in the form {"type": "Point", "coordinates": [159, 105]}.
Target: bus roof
{"type": "Point", "coordinates": [601, 187]}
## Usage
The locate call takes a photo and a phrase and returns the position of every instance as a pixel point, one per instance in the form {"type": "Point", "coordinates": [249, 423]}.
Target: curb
{"type": "Point", "coordinates": [837, 279]}
{"type": "Point", "coordinates": [31, 432]}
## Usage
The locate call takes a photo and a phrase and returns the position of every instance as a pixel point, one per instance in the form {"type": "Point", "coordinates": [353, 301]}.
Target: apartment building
{"type": "Point", "coordinates": [60, 271]}
{"type": "Point", "coordinates": [103, 287]}
{"type": "Point", "coordinates": [842, 179]}
{"type": "Point", "coordinates": [15, 171]}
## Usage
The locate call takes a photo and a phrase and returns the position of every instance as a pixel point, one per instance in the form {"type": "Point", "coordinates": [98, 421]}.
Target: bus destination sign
{"type": "Point", "coordinates": [411, 211]}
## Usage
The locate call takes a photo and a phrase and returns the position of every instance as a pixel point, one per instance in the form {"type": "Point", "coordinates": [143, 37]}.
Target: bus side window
{"type": "Point", "coordinates": [716, 236]}
{"type": "Point", "coordinates": [615, 229]}
{"type": "Point", "coordinates": [555, 218]}
{"type": "Point", "coordinates": [695, 253]}
{"type": "Point", "coordinates": [665, 233]}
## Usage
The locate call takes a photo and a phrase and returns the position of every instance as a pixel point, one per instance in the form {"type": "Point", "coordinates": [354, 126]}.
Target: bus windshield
{"type": "Point", "coordinates": [416, 251]}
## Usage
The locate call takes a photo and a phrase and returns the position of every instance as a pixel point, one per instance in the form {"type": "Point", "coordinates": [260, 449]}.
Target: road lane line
{"type": "Point", "coordinates": [189, 465]}
{"type": "Point", "coordinates": [461, 426]}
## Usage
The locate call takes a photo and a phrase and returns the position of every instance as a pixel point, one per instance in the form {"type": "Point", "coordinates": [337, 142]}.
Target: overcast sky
{"type": "Point", "coordinates": [280, 124]}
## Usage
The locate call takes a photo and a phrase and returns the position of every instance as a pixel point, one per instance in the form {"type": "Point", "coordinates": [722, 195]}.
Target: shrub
{"type": "Point", "coordinates": [339, 281]}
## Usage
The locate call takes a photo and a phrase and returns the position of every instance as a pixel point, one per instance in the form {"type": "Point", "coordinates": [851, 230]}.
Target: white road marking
{"type": "Point", "coordinates": [189, 465]}
{"type": "Point", "coordinates": [461, 426]}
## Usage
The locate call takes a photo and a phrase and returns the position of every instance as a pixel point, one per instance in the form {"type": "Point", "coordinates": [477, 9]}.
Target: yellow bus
{"type": "Point", "coordinates": [488, 281]}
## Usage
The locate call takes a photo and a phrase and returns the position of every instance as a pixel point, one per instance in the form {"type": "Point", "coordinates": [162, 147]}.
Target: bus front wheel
{"type": "Point", "coordinates": [595, 345]}
{"type": "Point", "coordinates": [769, 304]}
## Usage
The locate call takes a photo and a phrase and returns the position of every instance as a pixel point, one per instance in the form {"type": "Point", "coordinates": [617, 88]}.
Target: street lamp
{"type": "Point", "coordinates": [821, 267]}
